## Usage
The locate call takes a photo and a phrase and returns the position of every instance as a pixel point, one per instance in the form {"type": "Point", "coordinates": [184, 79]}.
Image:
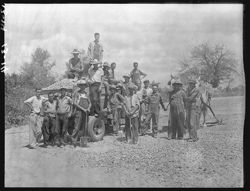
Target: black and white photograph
{"type": "Point", "coordinates": [124, 95]}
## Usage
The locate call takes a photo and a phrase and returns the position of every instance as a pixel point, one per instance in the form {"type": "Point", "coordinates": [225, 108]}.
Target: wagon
{"type": "Point", "coordinates": [97, 125]}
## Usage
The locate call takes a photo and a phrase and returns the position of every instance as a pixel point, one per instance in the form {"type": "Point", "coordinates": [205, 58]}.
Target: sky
{"type": "Point", "coordinates": [154, 35]}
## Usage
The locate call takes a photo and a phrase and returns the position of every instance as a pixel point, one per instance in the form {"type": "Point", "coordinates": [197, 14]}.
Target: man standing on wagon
{"type": "Point", "coordinates": [95, 49]}
{"type": "Point", "coordinates": [136, 76]}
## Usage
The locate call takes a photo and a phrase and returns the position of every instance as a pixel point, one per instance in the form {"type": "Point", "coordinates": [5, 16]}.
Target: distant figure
{"type": "Point", "coordinates": [193, 107]}
{"type": "Point", "coordinates": [35, 118]}
{"type": "Point", "coordinates": [112, 70]}
{"type": "Point", "coordinates": [95, 49]}
{"type": "Point", "coordinates": [155, 100]}
{"type": "Point", "coordinates": [136, 74]}
{"type": "Point", "coordinates": [177, 111]}
{"type": "Point", "coordinates": [75, 66]}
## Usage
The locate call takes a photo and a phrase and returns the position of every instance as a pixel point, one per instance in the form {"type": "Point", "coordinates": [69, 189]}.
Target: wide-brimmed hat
{"type": "Point", "coordinates": [126, 76]}
{"type": "Point", "coordinates": [62, 88]}
{"type": "Point", "coordinates": [81, 82]}
{"type": "Point", "coordinates": [132, 86]}
{"type": "Point", "coordinates": [146, 81]}
{"type": "Point", "coordinates": [112, 87]}
{"type": "Point", "coordinates": [106, 64]}
{"type": "Point", "coordinates": [95, 61]}
{"type": "Point", "coordinates": [75, 51]}
{"type": "Point", "coordinates": [191, 81]}
{"type": "Point", "coordinates": [177, 82]}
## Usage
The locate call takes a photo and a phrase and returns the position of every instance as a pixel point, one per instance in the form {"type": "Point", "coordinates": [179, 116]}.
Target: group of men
{"type": "Point", "coordinates": [138, 105]}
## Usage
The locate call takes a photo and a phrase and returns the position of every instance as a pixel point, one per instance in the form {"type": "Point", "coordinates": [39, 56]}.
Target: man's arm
{"type": "Point", "coordinates": [89, 53]}
{"type": "Point", "coordinates": [162, 105]}
{"type": "Point", "coordinates": [143, 74]}
{"type": "Point", "coordinates": [28, 102]}
{"type": "Point", "coordinates": [101, 53]}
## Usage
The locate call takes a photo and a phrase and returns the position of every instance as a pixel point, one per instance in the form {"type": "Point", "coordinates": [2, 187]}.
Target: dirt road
{"type": "Point", "coordinates": [216, 160]}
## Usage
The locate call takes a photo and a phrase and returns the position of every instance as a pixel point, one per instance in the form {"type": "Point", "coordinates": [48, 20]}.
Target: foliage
{"type": "Point", "coordinates": [211, 64]}
{"type": "Point", "coordinates": [19, 87]}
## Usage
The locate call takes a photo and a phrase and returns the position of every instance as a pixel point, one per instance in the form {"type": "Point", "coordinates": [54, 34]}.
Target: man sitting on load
{"type": "Point", "coordinates": [75, 66]}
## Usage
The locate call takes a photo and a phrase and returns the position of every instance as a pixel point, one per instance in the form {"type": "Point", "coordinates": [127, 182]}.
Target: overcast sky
{"type": "Point", "coordinates": [155, 36]}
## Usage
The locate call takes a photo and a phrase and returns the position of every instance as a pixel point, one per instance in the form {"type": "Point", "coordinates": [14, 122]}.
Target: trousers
{"type": "Point", "coordinates": [79, 128]}
{"type": "Point", "coordinates": [131, 129]}
{"type": "Point", "coordinates": [49, 129]}
{"type": "Point", "coordinates": [62, 121]}
{"type": "Point", "coordinates": [35, 132]}
{"type": "Point", "coordinates": [95, 97]}
{"type": "Point", "coordinates": [177, 121]}
{"type": "Point", "coordinates": [193, 122]}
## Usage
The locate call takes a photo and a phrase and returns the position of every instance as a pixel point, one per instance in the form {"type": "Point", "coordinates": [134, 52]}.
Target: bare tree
{"type": "Point", "coordinates": [212, 64]}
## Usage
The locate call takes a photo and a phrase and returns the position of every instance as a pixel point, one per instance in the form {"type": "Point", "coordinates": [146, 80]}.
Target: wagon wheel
{"type": "Point", "coordinates": [96, 128]}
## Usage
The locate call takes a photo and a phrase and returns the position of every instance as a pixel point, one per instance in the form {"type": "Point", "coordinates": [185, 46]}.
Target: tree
{"type": "Point", "coordinates": [37, 73]}
{"type": "Point", "coordinates": [211, 64]}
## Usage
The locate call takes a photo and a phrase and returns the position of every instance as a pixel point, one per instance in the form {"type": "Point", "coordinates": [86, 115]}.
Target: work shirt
{"type": "Point", "coordinates": [95, 75]}
{"type": "Point", "coordinates": [144, 90]}
{"type": "Point", "coordinates": [64, 105]}
{"type": "Point", "coordinates": [136, 75]}
{"type": "Point", "coordinates": [131, 102]}
{"type": "Point", "coordinates": [125, 87]}
{"type": "Point", "coordinates": [155, 100]}
{"type": "Point", "coordinates": [75, 63]}
{"type": "Point", "coordinates": [82, 99]}
{"type": "Point", "coordinates": [112, 74]}
{"type": "Point", "coordinates": [50, 107]}
{"type": "Point", "coordinates": [114, 102]}
{"type": "Point", "coordinates": [35, 103]}
{"type": "Point", "coordinates": [193, 100]}
{"type": "Point", "coordinates": [95, 50]}
{"type": "Point", "coordinates": [177, 99]}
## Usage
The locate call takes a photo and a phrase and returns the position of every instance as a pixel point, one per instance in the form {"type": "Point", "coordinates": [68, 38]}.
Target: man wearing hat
{"type": "Point", "coordinates": [81, 103]}
{"type": "Point", "coordinates": [155, 100]}
{"type": "Point", "coordinates": [62, 118]}
{"type": "Point", "coordinates": [75, 66]}
{"type": "Point", "coordinates": [193, 109]}
{"type": "Point", "coordinates": [136, 75]}
{"type": "Point", "coordinates": [96, 78]}
{"type": "Point", "coordinates": [177, 111]}
{"type": "Point", "coordinates": [114, 104]}
{"type": "Point", "coordinates": [132, 115]}
{"type": "Point", "coordinates": [95, 49]}
{"type": "Point", "coordinates": [143, 95]}
{"type": "Point", "coordinates": [126, 83]}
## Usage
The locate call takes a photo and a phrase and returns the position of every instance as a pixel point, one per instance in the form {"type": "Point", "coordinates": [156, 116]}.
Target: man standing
{"type": "Point", "coordinates": [155, 101]}
{"type": "Point", "coordinates": [49, 122]}
{"type": "Point", "coordinates": [62, 117]}
{"type": "Point", "coordinates": [126, 84]}
{"type": "Point", "coordinates": [112, 73]}
{"type": "Point", "coordinates": [177, 111]}
{"type": "Point", "coordinates": [132, 115]}
{"type": "Point", "coordinates": [75, 66]}
{"type": "Point", "coordinates": [35, 118]}
{"type": "Point", "coordinates": [82, 103]}
{"type": "Point", "coordinates": [136, 74]}
{"type": "Point", "coordinates": [95, 49]}
{"type": "Point", "coordinates": [193, 105]}
{"type": "Point", "coordinates": [95, 74]}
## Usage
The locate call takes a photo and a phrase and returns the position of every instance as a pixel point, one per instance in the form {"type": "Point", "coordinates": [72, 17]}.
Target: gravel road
{"type": "Point", "coordinates": [216, 160]}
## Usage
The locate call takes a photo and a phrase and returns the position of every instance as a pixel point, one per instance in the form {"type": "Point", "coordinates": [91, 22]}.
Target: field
{"type": "Point", "coordinates": [216, 160]}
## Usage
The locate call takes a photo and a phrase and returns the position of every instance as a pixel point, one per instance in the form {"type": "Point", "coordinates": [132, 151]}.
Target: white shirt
{"type": "Point", "coordinates": [35, 103]}
{"type": "Point", "coordinates": [148, 92]}
{"type": "Point", "coordinates": [95, 75]}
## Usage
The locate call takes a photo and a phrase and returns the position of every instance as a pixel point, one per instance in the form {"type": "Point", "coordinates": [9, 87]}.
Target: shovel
{"type": "Point", "coordinates": [84, 139]}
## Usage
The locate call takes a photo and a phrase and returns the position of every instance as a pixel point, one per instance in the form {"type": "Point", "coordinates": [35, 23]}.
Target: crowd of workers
{"type": "Point", "coordinates": [138, 105]}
